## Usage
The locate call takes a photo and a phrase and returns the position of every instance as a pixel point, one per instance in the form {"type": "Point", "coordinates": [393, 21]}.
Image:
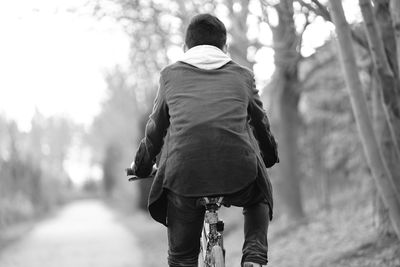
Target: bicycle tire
{"type": "Point", "coordinates": [203, 248]}
{"type": "Point", "coordinates": [217, 255]}
{"type": "Point", "coordinates": [201, 260]}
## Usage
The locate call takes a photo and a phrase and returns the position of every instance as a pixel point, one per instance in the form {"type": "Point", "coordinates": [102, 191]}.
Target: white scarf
{"type": "Point", "coordinates": [207, 57]}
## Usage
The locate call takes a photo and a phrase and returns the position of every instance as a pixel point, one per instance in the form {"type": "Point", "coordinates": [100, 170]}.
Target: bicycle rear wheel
{"type": "Point", "coordinates": [201, 260]}
{"type": "Point", "coordinates": [203, 248]}
{"type": "Point", "coordinates": [217, 255]}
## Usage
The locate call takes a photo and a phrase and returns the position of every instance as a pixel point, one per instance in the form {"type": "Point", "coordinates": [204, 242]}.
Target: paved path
{"type": "Point", "coordinates": [83, 234]}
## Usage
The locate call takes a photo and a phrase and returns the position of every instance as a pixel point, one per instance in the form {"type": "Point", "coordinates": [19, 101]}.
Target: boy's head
{"type": "Point", "coordinates": [205, 29]}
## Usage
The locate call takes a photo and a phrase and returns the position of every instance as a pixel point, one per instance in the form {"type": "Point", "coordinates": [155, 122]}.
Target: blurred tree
{"type": "Point", "coordinates": [384, 138]}
{"type": "Point", "coordinates": [157, 30]}
{"type": "Point", "coordinates": [331, 153]}
{"type": "Point", "coordinates": [285, 95]}
{"type": "Point", "coordinates": [91, 186]}
{"type": "Point", "coordinates": [240, 43]}
{"type": "Point", "coordinates": [48, 143]}
{"type": "Point", "coordinates": [30, 184]}
{"type": "Point", "coordinates": [394, 8]}
{"type": "Point", "coordinates": [382, 128]}
{"type": "Point", "coordinates": [153, 31]}
{"type": "Point", "coordinates": [110, 173]}
{"type": "Point", "coordinates": [377, 164]}
{"type": "Point", "coordinates": [46, 148]}
{"type": "Point", "coordinates": [382, 40]}
{"type": "Point", "coordinates": [115, 130]}
{"type": "Point", "coordinates": [389, 84]}
{"type": "Point", "coordinates": [15, 159]}
{"type": "Point", "coordinates": [385, 13]}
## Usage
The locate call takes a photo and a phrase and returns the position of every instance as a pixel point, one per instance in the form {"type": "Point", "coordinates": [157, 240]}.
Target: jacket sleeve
{"type": "Point", "coordinates": [156, 129]}
{"type": "Point", "coordinates": [261, 128]}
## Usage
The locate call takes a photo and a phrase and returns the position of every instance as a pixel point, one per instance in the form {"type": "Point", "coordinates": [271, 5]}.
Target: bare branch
{"type": "Point", "coordinates": [387, 79]}
{"type": "Point", "coordinates": [360, 38]}
{"type": "Point", "coordinates": [301, 33]}
{"type": "Point", "coordinates": [323, 9]}
{"type": "Point", "coordinates": [319, 10]}
{"type": "Point", "coordinates": [308, 6]}
{"type": "Point", "coordinates": [264, 6]}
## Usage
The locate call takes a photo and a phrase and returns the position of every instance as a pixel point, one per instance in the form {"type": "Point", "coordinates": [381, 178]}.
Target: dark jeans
{"type": "Point", "coordinates": [185, 223]}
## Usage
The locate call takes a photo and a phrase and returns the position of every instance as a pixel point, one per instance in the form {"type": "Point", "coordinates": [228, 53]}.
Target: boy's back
{"type": "Point", "coordinates": [209, 142]}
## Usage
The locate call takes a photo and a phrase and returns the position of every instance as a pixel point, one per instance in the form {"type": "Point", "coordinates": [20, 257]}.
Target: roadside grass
{"type": "Point", "coordinates": [377, 252]}
{"type": "Point", "coordinates": [345, 236]}
{"type": "Point", "coordinates": [151, 235]}
{"type": "Point", "coordinates": [18, 216]}
{"type": "Point", "coordinates": [10, 234]}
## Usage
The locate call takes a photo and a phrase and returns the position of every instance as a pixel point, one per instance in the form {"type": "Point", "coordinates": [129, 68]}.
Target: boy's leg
{"type": "Point", "coordinates": [185, 223]}
{"type": "Point", "coordinates": [256, 220]}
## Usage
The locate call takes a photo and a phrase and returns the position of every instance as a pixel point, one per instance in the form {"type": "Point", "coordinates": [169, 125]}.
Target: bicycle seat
{"type": "Point", "coordinates": [210, 200]}
{"type": "Point", "coordinates": [213, 201]}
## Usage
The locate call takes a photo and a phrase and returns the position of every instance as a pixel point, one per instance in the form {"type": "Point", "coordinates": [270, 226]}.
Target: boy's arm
{"type": "Point", "coordinates": [261, 128]}
{"type": "Point", "coordinates": [156, 129]}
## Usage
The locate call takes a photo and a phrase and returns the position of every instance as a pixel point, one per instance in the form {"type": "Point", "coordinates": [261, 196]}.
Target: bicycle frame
{"type": "Point", "coordinates": [212, 235]}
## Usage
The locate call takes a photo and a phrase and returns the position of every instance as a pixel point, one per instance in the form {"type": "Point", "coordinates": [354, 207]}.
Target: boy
{"type": "Point", "coordinates": [215, 139]}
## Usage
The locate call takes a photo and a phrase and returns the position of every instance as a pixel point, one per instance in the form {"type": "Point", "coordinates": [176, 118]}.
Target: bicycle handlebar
{"type": "Point", "coordinates": [130, 172]}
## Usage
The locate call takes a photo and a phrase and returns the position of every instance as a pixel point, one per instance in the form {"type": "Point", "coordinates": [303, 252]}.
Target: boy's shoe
{"type": "Point", "coordinates": [252, 264]}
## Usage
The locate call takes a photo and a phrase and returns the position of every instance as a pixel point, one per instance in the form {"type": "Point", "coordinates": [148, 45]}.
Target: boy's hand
{"type": "Point", "coordinates": [133, 165]}
{"type": "Point", "coordinates": [132, 172]}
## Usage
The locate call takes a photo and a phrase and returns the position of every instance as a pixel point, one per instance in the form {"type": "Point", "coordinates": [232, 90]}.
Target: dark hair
{"type": "Point", "coordinates": [205, 29]}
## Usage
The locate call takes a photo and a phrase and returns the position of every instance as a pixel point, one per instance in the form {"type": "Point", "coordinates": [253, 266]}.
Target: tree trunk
{"type": "Point", "coordinates": [238, 30]}
{"type": "Point", "coordinates": [326, 189]}
{"type": "Point", "coordinates": [384, 20]}
{"type": "Point", "coordinates": [385, 227]}
{"type": "Point", "coordinates": [388, 82]}
{"type": "Point", "coordinates": [286, 99]}
{"type": "Point", "coordinates": [379, 170]}
{"type": "Point", "coordinates": [385, 16]}
{"type": "Point", "coordinates": [112, 157]}
{"type": "Point", "coordinates": [288, 167]}
{"type": "Point", "coordinates": [395, 11]}
{"type": "Point", "coordinates": [382, 131]}
{"type": "Point", "coordinates": [319, 173]}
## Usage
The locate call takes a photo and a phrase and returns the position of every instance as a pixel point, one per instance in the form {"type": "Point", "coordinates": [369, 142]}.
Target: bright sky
{"type": "Point", "coordinates": [53, 58]}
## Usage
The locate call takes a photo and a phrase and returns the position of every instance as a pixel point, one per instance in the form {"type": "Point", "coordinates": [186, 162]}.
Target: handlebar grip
{"type": "Point", "coordinates": [133, 177]}
{"type": "Point", "coordinates": [129, 172]}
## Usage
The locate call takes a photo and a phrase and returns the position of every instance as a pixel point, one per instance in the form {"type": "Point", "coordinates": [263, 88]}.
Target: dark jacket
{"type": "Point", "coordinates": [204, 123]}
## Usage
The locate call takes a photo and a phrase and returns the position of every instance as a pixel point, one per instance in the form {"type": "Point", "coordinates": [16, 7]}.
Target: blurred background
{"type": "Point", "coordinates": [77, 83]}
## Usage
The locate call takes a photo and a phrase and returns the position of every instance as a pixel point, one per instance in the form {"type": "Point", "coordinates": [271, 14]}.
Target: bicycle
{"type": "Point", "coordinates": [212, 253]}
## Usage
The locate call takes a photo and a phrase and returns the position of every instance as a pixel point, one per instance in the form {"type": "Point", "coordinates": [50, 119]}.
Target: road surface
{"type": "Point", "coordinates": [83, 234]}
